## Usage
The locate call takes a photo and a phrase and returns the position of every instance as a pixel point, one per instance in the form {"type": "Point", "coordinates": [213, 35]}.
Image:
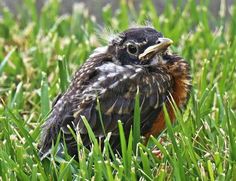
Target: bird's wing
{"type": "Point", "coordinates": [115, 87]}
{"type": "Point", "coordinates": [63, 106]}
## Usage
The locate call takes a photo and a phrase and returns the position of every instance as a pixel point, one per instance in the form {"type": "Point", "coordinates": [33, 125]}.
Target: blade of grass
{"type": "Point", "coordinates": [124, 149]}
{"type": "Point", "coordinates": [100, 116]}
{"type": "Point", "coordinates": [45, 107]}
{"type": "Point", "coordinates": [63, 73]}
{"type": "Point", "coordinates": [210, 169]}
{"type": "Point", "coordinates": [3, 63]}
{"type": "Point", "coordinates": [146, 164]}
{"type": "Point", "coordinates": [17, 96]}
{"type": "Point", "coordinates": [136, 121]}
{"type": "Point", "coordinates": [109, 171]}
{"type": "Point", "coordinates": [90, 132]}
{"type": "Point", "coordinates": [64, 172]}
{"type": "Point", "coordinates": [231, 135]}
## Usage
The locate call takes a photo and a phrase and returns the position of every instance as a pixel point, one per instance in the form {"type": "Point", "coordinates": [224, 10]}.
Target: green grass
{"type": "Point", "coordinates": [38, 53]}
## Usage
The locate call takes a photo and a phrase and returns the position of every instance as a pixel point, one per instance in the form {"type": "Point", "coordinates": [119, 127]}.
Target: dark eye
{"type": "Point", "coordinates": [132, 49]}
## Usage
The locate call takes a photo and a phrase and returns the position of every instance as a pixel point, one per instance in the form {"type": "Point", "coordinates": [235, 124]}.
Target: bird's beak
{"type": "Point", "coordinates": [162, 45]}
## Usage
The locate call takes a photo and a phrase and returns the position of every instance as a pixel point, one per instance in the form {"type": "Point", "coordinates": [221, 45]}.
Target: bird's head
{"type": "Point", "coordinates": [138, 46]}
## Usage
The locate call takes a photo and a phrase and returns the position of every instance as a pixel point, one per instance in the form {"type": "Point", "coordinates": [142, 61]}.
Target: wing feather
{"type": "Point", "coordinates": [117, 101]}
{"type": "Point", "coordinates": [115, 86]}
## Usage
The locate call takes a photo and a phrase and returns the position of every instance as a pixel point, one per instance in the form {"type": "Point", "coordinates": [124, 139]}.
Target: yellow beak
{"type": "Point", "coordinates": [162, 44]}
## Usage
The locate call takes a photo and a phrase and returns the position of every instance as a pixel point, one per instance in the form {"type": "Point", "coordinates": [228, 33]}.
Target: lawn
{"type": "Point", "coordinates": [39, 51]}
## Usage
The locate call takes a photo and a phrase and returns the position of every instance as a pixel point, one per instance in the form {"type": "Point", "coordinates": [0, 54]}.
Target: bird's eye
{"type": "Point", "coordinates": [132, 49]}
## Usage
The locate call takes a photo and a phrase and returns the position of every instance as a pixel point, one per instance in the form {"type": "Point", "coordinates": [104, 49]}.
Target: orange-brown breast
{"type": "Point", "coordinates": [181, 88]}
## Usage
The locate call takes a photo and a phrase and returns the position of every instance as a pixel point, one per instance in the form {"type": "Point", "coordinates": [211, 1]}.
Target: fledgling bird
{"type": "Point", "coordinates": [137, 58]}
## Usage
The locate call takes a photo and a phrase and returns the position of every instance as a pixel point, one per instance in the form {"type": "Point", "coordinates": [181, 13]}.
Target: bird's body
{"type": "Point", "coordinates": [136, 60]}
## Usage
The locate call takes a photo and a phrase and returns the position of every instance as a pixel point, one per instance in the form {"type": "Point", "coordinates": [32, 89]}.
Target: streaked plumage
{"type": "Point", "coordinates": [136, 59]}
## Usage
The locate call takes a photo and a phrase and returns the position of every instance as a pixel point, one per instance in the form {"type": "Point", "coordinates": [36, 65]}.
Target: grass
{"type": "Point", "coordinates": [49, 47]}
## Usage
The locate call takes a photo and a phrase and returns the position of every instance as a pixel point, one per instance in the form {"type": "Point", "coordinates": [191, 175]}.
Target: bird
{"type": "Point", "coordinates": [137, 59]}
